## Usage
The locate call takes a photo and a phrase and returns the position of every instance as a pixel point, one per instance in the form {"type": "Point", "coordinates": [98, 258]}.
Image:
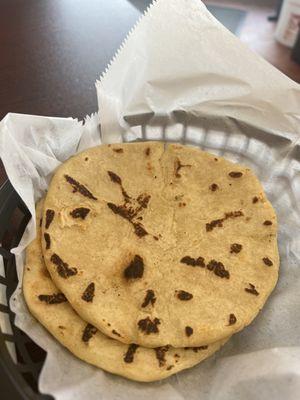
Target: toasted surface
{"type": "Point", "coordinates": [160, 245]}
{"type": "Point", "coordinates": [51, 308]}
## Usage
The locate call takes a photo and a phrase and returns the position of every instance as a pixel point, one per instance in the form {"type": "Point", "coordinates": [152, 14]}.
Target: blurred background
{"type": "Point", "coordinates": [52, 51]}
{"type": "Point", "coordinates": [269, 27]}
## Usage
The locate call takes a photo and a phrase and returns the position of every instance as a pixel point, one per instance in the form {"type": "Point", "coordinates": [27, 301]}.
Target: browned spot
{"type": "Point", "coordinates": [213, 187]}
{"type": "Point", "coordinates": [232, 319]}
{"type": "Point", "coordinates": [178, 166]}
{"type": "Point", "coordinates": [28, 269]}
{"type": "Point", "coordinates": [114, 177]}
{"type": "Point", "coordinates": [135, 269]}
{"type": "Point", "coordinates": [126, 213]}
{"type": "Point", "coordinates": [160, 355]}
{"type": "Point", "coordinates": [41, 221]}
{"type": "Point", "coordinates": [252, 290]}
{"type": "Point", "coordinates": [47, 240]}
{"type": "Point", "coordinates": [147, 326]}
{"type": "Point", "coordinates": [213, 224]}
{"type": "Point", "coordinates": [219, 222]}
{"type": "Point", "coordinates": [235, 248]}
{"type": "Point", "coordinates": [267, 261]}
{"type": "Point", "coordinates": [45, 272]}
{"type": "Point", "coordinates": [235, 174]}
{"type": "Point", "coordinates": [80, 212]}
{"type": "Point", "coordinates": [118, 150]}
{"type": "Point", "coordinates": [129, 356]}
{"type": "Point", "coordinates": [55, 298]}
{"type": "Point", "coordinates": [268, 222]}
{"type": "Point", "coordinates": [149, 298]}
{"type": "Point", "coordinates": [194, 262]}
{"type": "Point", "coordinates": [147, 151]}
{"type": "Point", "coordinates": [176, 355]}
{"type": "Point", "coordinates": [86, 159]}
{"type": "Point", "coordinates": [234, 214]}
{"type": "Point", "coordinates": [178, 197]}
{"type": "Point", "coordinates": [129, 214]}
{"type": "Point", "coordinates": [78, 187]}
{"type": "Point", "coordinates": [126, 210]}
{"type": "Point", "coordinates": [139, 230]}
{"type": "Point", "coordinates": [49, 218]}
{"type": "Point", "coordinates": [89, 293]}
{"type": "Point", "coordinates": [182, 295]}
{"type": "Point", "coordinates": [155, 237]}
{"type": "Point", "coordinates": [88, 333]}
{"type": "Point", "coordinates": [115, 333]}
{"type": "Point", "coordinates": [62, 268]}
{"type": "Point", "coordinates": [216, 159]}
{"type": "Point", "coordinates": [169, 367]}
{"type": "Point", "coordinates": [196, 349]}
{"type": "Point", "coordinates": [255, 199]}
{"type": "Point", "coordinates": [218, 269]}
{"type": "Point", "coordinates": [149, 166]}
{"type": "Point", "coordinates": [188, 331]}
{"type": "Point", "coordinates": [143, 200]}
{"type": "Point", "coordinates": [62, 327]}
{"type": "Point", "coordinates": [180, 205]}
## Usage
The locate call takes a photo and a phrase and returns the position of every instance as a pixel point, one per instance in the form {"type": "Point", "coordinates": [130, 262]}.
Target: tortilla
{"type": "Point", "coordinates": [160, 245]}
{"type": "Point", "coordinates": [51, 308]}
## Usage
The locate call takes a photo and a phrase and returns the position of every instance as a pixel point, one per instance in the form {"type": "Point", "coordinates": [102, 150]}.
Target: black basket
{"type": "Point", "coordinates": [25, 369]}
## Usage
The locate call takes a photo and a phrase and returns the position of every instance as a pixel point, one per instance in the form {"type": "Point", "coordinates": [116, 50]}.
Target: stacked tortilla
{"type": "Point", "coordinates": [148, 256]}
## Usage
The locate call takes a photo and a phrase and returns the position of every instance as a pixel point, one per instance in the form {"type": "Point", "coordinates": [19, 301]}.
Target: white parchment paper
{"type": "Point", "coordinates": [181, 76]}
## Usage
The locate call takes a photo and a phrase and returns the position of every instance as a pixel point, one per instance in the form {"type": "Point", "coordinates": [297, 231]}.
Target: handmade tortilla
{"type": "Point", "coordinates": [160, 245]}
{"type": "Point", "coordinates": [51, 308]}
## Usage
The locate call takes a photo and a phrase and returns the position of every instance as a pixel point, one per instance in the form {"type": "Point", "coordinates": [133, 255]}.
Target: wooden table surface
{"type": "Point", "coordinates": [52, 52]}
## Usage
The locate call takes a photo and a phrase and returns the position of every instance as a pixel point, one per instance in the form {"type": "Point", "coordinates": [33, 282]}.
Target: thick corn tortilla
{"type": "Point", "coordinates": [50, 307]}
{"type": "Point", "coordinates": [160, 245]}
